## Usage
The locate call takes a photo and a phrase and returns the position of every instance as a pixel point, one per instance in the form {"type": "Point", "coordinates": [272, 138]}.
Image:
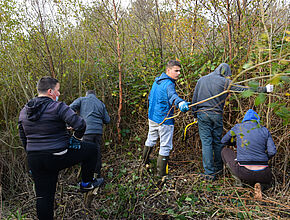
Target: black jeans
{"type": "Point", "coordinates": [249, 176]}
{"type": "Point", "coordinates": [45, 167]}
{"type": "Point", "coordinates": [97, 140]}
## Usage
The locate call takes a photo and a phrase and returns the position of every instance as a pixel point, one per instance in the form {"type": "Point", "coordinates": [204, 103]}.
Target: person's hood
{"type": "Point", "coordinates": [36, 106]}
{"type": "Point", "coordinates": [222, 70]}
{"type": "Point", "coordinates": [91, 95]}
{"type": "Point", "coordinates": [251, 115]}
{"type": "Point", "coordinates": [163, 76]}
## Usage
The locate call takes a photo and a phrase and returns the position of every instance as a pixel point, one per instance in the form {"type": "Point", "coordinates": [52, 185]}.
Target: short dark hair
{"type": "Point", "coordinates": [173, 63]}
{"type": "Point", "coordinates": [46, 83]}
{"type": "Point", "coordinates": [91, 92]}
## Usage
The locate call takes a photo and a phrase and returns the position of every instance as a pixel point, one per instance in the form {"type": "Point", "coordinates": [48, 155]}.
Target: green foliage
{"type": "Point", "coordinates": [82, 43]}
{"type": "Point", "coordinates": [284, 113]}
{"type": "Point", "coordinates": [247, 93]}
{"type": "Point", "coordinates": [260, 99]}
{"type": "Point", "coordinates": [275, 80]}
{"type": "Point", "coordinates": [247, 65]}
{"type": "Point", "coordinates": [232, 133]}
{"type": "Point", "coordinates": [16, 215]}
{"type": "Point", "coordinates": [281, 110]}
{"type": "Point", "coordinates": [254, 84]}
{"type": "Point", "coordinates": [125, 132]}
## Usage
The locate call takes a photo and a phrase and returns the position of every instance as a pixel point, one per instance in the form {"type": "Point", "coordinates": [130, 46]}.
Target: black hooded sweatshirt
{"type": "Point", "coordinates": [42, 124]}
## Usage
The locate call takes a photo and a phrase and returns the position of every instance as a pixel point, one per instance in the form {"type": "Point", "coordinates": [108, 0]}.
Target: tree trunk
{"type": "Point", "coordinates": [120, 73]}
{"type": "Point", "coordinates": [160, 33]}
{"type": "Point", "coordinates": [229, 29]}
{"type": "Point", "coordinates": [175, 27]}
{"type": "Point", "coordinates": [194, 29]}
{"type": "Point", "coordinates": [49, 57]}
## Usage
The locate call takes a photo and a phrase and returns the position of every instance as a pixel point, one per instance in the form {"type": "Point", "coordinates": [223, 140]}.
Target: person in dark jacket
{"type": "Point", "coordinates": [162, 100]}
{"type": "Point", "coordinates": [42, 129]}
{"type": "Point", "coordinates": [255, 147]}
{"type": "Point", "coordinates": [210, 115]}
{"type": "Point", "coordinates": [95, 114]}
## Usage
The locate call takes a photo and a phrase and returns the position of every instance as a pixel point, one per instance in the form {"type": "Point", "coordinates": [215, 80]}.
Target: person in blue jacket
{"type": "Point", "coordinates": [210, 115]}
{"type": "Point", "coordinates": [95, 114]}
{"type": "Point", "coordinates": [43, 132]}
{"type": "Point", "coordinates": [255, 147]}
{"type": "Point", "coordinates": [162, 101]}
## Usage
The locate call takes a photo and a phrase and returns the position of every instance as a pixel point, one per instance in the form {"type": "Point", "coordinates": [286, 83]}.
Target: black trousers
{"type": "Point", "coordinates": [45, 166]}
{"type": "Point", "coordinates": [97, 140]}
{"type": "Point", "coordinates": [244, 174]}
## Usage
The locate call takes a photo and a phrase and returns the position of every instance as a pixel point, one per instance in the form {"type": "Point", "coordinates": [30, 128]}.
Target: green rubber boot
{"type": "Point", "coordinates": [146, 154]}
{"type": "Point", "coordinates": [161, 165]}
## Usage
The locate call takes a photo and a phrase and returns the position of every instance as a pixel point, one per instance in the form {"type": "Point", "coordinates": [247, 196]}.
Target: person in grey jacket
{"type": "Point", "coordinates": [49, 147]}
{"type": "Point", "coordinates": [210, 115]}
{"type": "Point", "coordinates": [95, 114]}
{"type": "Point", "coordinates": [255, 147]}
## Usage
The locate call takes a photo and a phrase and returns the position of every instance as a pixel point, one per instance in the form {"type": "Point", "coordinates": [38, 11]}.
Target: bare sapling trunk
{"type": "Point", "coordinates": [194, 29]}
{"type": "Point", "coordinates": [229, 29]}
{"type": "Point", "coordinates": [120, 73]}
{"type": "Point", "coordinates": [49, 56]}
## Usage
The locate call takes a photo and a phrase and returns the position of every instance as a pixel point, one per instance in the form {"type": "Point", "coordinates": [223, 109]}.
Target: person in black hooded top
{"type": "Point", "coordinates": [43, 131]}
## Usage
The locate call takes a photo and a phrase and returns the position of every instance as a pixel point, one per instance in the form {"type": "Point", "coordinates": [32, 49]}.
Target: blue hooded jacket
{"type": "Point", "coordinates": [161, 98]}
{"type": "Point", "coordinates": [255, 145]}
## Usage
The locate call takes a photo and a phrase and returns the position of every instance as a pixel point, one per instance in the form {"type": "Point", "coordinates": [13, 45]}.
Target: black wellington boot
{"type": "Point", "coordinates": [146, 154]}
{"type": "Point", "coordinates": [161, 165]}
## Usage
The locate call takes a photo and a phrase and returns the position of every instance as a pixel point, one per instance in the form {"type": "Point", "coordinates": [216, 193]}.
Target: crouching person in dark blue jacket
{"type": "Point", "coordinates": [43, 132]}
{"type": "Point", "coordinates": [255, 147]}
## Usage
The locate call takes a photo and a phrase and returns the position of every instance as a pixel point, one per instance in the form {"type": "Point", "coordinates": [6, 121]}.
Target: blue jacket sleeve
{"type": "Point", "coordinates": [228, 138]}
{"type": "Point", "coordinates": [271, 148]}
{"type": "Point", "coordinates": [172, 95]}
{"type": "Point", "coordinates": [76, 105]}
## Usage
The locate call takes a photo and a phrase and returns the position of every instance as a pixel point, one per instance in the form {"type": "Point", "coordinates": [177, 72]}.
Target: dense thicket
{"type": "Point", "coordinates": [101, 45]}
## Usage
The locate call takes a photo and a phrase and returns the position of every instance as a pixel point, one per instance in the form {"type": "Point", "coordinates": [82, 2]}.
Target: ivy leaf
{"type": "Point", "coordinates": [247, 65]}
{"type": "Point", "coordinates": [247, 93]}
{"type": "Point", "coordinates": [188, 199]}
{"type": "Point", "coordinates": [254, 84]}
{"type": "Point", "coordinates": [285, 79]}
{"type": "Point", "coordinates": [284, 113]}
{"type": "Point", "coordinates": [260, 99]}
{"type": "Point", "coordinates": [275, 80]}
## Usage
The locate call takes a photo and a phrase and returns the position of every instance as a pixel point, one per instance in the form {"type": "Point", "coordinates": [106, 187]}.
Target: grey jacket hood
{"type": "Point", "coordinates": [222, 70]}
{"type": "Point", "coordinates": [211, 85]}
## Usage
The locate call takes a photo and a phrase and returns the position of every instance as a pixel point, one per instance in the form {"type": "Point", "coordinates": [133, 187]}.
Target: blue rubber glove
{"type": "Point", "coordinates": [183, 106]}
{"type": "Point", "coordinates": [74, 143]}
